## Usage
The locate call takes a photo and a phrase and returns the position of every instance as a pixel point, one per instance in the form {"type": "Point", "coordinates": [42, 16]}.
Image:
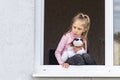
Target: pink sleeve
{"type": "Point", "coordinates": [60, 49]}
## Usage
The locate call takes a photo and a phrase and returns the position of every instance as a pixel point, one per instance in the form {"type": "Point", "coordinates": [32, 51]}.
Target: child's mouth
{"type": "Point", "coordinates": [75, 34]}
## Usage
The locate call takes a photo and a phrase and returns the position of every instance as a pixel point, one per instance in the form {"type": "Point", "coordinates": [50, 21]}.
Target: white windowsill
{"type": "Point", "coordinates": [77, 71]}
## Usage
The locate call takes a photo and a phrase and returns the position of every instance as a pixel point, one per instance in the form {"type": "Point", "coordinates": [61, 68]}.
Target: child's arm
{"type": "Point", "coordinates": [60, 48]}
{"type": "Point", "coordinates": [64, 56]}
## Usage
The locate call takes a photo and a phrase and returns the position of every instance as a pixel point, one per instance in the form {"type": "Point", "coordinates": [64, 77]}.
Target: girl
{"type": "Point", "coordinates": [79, 29]}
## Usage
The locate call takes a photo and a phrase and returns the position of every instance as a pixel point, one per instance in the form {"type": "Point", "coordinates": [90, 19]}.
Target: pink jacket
{"type": "Point", "coordinates": [63, 45]}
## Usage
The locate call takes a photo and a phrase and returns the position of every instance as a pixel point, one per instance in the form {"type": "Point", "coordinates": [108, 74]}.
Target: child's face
{"type": "Point", "coordinates": [77, 28]}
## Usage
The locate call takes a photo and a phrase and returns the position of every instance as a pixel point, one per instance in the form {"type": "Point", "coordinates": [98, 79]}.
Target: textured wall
{"type": "Point", "coordinates": [16, 39]}
{"type": "Point", "coordinates": [116, 52]}
{"type": "Point", "coordinates": [17, 42]}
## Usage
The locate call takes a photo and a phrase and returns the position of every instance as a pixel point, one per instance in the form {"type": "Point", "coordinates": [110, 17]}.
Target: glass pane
{"type": "Point", "coordinates": [116, 24]}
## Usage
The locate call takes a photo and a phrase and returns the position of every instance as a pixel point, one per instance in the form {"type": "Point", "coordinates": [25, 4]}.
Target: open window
{"type": "Point", "coordinates": [57, 19]}
{"type": "Point", "coordinates": [52, 18]}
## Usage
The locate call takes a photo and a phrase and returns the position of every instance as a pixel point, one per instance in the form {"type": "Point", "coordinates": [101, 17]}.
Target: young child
{"type": "Point", "coordinates": [79, 29]}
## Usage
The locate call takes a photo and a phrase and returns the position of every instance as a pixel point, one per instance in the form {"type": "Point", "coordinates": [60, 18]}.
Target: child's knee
{"type": "Point", "coordinates": [88, 59]}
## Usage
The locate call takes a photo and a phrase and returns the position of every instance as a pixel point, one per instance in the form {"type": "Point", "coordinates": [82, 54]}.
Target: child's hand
{"type": "Point", "coordinates": [65, 65]}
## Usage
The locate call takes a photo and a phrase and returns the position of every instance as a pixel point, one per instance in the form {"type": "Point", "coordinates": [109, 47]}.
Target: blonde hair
{"type": "Point", "coordinates": [84, 18]}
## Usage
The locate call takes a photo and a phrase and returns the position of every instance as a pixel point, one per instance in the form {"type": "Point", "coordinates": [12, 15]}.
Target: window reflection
{"type": "Point", "coordinates": [116, 19]}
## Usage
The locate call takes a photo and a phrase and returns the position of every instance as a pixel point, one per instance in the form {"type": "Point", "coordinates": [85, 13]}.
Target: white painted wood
{"type": "Point", "coordinates": [77, 71]}
{"type": "Point", "coordinates": [107, 70]}
{"type": "Point", "coordinates": [109, 32]}
{"type": "Point", "coordinates": [39, 32]}
{"type": "Point", "coordinates": [64, 78]}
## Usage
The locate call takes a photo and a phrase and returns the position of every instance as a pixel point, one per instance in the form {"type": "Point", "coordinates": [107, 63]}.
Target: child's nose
{"type": "Point", "coordinates": [75, 30]}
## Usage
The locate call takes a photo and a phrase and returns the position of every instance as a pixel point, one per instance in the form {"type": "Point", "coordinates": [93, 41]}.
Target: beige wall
{"type": "Point", "coordinates": [116, 53]}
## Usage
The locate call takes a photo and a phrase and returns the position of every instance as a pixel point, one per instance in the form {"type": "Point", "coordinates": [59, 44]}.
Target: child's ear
{"type": "Point", "coordinates": [83, 33]}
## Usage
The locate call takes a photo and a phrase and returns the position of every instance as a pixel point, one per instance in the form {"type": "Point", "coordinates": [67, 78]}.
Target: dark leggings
{"type": "Point", "coordinates": [84, 59]}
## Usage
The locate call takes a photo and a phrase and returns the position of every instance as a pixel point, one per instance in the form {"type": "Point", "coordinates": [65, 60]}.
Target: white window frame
{"type": "Point", "coordinates": [107, 70]}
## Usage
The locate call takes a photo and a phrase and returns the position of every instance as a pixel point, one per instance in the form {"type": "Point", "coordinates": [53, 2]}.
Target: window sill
{"type": "Point", "coordinates": [77, 71]}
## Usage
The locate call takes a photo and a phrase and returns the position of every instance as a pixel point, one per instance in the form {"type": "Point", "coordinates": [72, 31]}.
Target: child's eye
{"type": "Point", "coordinates": [79, 29]}
{"type": "Point", "coordinates": [74, 27]}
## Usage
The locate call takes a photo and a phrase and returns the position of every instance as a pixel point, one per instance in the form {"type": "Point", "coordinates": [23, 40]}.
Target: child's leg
{"type": "Point", "coordinates": [79, 59]}
{"type": "Point", "coordinates": [70, 61]}
{"type": "Point", "coordinates": [88, 59]}
{"type": "Point", "coordinates": [76, 60]}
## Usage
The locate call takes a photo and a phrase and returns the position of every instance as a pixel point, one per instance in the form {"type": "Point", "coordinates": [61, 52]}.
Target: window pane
{"type": "Point", "coordinates": [116, 22]}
